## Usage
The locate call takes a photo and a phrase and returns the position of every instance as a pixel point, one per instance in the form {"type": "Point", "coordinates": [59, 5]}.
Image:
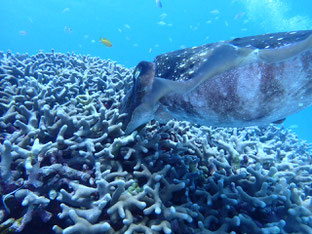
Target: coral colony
{"type": "Point", "coordinates": [68, 167]}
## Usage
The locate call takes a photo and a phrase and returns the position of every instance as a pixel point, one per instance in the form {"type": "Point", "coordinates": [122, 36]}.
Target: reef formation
{"type": "Point", "coordinates": [68, 167]}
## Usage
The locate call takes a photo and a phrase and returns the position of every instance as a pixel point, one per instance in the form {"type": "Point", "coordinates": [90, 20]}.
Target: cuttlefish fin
{"type": "Point", "coordinates": [279, 121]}
{"type": "Point", "coordinates": [284, 52]}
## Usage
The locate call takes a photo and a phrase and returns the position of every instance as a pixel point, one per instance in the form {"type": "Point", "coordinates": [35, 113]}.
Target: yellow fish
{"type": "Point", "coordinates": [106, 42]}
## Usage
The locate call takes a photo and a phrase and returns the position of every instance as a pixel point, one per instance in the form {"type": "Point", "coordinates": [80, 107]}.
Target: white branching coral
{"type": "Point", "coordinates": [65, 157]}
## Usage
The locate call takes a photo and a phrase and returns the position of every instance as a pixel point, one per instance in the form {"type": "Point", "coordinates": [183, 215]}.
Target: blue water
{"type": "Point", "coordinates": [139, 30]}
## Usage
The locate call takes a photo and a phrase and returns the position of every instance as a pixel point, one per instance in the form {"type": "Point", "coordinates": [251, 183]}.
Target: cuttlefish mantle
{"type": "Point", "coordinates": [243, 82]}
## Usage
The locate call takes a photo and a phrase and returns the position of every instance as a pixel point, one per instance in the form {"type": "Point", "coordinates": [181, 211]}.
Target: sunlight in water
{"type": "Point", "coordinates": [274, 15]}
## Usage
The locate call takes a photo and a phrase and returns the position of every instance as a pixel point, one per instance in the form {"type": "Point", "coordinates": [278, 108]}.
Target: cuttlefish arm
{"type": "Point", "coordinates": [220, 58]}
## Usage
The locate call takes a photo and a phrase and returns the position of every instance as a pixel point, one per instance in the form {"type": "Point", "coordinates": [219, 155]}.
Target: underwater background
{"type": "Point", "coordinates": [139, 30]}
{"type": "Point", "coordinates": [66, 163]}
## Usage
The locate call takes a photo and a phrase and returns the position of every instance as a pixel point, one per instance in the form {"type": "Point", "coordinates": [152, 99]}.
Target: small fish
{"type": "Point", "coordinates": [215, 12]}
{"type": "Point", "coordinates": [67, 29]}
{"type": "Point", "coordinates": [294, 126]}
{"type": "Point", "coordinates": [158, 4]}
{"type": "Point", "coordinates": [23, 33]}
{"type": "Point", "coordinates": [127, 26]}
{"type": "Point", "coordinates": [162, 23]}
{"type": "Point", "coordinates": [163, 16]}
{"type": "Point", "coordinates": [239, 15]}
{"type": "Point", "coordinates": [106, 42]}
{"type": "Point", "coordinates": [65, 10]}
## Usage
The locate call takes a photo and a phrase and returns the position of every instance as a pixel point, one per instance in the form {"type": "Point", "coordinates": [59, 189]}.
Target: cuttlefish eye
{"type": "Point", "coordinates": [143, 67]}
{"type": "Point", "coordinates": [136, 72]}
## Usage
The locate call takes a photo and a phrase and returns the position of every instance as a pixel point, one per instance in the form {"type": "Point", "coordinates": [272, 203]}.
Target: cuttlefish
{"type": "Point", "coordinates": [250, 81]}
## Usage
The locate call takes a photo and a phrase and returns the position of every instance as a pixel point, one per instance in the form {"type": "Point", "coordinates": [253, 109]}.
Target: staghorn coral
{"type": "Point", "coordinates": [66, 162]}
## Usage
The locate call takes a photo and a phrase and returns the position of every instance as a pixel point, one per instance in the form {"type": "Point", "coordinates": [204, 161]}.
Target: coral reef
{"type": "Point", "coordinates": [68, 167]}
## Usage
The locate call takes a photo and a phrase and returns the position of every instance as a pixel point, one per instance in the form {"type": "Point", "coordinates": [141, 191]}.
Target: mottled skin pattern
{"type": "Point", "coordinates": [242, 82]}
{"type": "Point", "coordinates": [175, 64]}
{"type": "Point", "coordinates": [249, 95]}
